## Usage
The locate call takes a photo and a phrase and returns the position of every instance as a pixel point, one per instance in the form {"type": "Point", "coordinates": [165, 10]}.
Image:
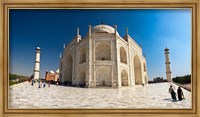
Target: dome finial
{"type": "Point", "coordinates": [102, 23]}
{"type": "Point", "coordinates": [127, 31]}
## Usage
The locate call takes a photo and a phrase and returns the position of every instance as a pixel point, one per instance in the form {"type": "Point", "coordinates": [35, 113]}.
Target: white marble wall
{"type": "Point", "coordinates": [94, 70]}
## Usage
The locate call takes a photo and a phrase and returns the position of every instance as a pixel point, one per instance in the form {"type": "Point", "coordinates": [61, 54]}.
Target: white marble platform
{"type": "Point", "coordinates": [149, 96]}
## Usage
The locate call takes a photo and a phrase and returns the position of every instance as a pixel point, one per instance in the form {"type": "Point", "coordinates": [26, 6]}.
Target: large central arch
{"type": "Point", "coordinates": [137, 70]}
{"type": "Point", "coordinates": [103, 77]}
{"type": "Point", "coordinates": [102, 51]}
{"type": "Point", "coordinates": [124, 78]}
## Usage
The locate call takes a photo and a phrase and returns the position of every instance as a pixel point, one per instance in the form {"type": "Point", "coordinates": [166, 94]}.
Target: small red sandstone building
{"type": "Point", "coordinates": [52, 76]}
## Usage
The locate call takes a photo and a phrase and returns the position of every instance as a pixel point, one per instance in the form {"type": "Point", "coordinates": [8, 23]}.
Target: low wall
{"type": "Point", "coordinates": [184, 86]}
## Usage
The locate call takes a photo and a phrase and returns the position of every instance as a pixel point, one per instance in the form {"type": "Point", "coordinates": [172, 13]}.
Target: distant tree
{"type": "Point", "coordinates": [19, 77]}
{"type": "Point", "coordinates": [12, 76]}
{"type": "Point", "coordinates": [182, 79]}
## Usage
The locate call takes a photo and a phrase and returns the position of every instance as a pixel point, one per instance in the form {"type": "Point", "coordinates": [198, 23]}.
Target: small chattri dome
{"type": "Point", "coordinates": [103, 29]}
{"type": "Point", "coordinates": [57, 71]}
{"type": "Point", "coordinates": [38, 48]}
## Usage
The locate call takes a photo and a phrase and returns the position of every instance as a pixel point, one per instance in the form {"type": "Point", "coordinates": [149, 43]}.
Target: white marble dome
{"type": "Point", "coordinates": [51, 72]}
{"type": "Point", "coordinates": [103, 29]}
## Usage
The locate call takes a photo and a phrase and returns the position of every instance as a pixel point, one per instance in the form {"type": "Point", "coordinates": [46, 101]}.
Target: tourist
{"type": "Point", "coordinates": [32, 81]}
{"type": "Point", "coordinates": [142, 84]}
{"type": "Point", "coordinates": [173, 95]}
{"type": "Point", "coordinates": [38, 84]}
{"type": "Point", "coordinates": [49, 84]}
{"type": "Point", "coordinates": [57, 84]}
{"type": "Point", "coordinates": [170, 90]}
{"type": "Point", "coordinates": [44, 85]}
{"type": "Point", "coordinates": [180, 93]}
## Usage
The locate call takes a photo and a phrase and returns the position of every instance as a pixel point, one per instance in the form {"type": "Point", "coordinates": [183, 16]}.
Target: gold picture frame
{"type": "Point", "coordinates": [100, 4]}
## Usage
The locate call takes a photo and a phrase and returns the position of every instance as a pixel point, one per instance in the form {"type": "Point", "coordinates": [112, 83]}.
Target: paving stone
{"type": "Point", "coordinates": [149, 96]}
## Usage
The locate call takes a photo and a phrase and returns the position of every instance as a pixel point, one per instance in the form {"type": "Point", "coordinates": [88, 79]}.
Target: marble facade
{"type": "Point", "coordinates": [103, 59]}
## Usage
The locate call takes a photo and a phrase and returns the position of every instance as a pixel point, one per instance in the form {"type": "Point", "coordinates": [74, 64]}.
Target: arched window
{"type": "Point", "coordinates": [103, 77]}
{"type": "Point", "coordinates": [102, 51]}
{"type": "Point", "coordinates": [137, 70]}
{"type": "Point", "coordinates": [82, 54]}
{"type": "Point", "coordinates": [123, 56]}
{"type": "Point", "coordinates": [124, 78]}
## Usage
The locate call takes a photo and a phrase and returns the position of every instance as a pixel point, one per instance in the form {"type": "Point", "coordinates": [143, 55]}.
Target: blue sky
{"type": "Point", "coordinates": [154, 29]}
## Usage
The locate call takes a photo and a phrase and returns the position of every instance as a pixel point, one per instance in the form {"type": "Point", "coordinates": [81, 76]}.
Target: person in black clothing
{"type": "Point", "coordinates": [49, 83]}
{"type": "Point", "coordinates": [173, 95]}
{"type": "Point", "coordinates": [44, 84]}
{"type": "Point", "coordinates": [180, 93]}
{"type": "Point", "coordinates": [170, 91]}
{"type": "Point", "coordinates": [32, 82]}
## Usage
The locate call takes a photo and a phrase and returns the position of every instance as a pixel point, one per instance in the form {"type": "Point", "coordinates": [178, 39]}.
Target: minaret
{"type": "Point", "coordinates": [168, 72]}
{"type": "Point", "coordinates": [37, 64]}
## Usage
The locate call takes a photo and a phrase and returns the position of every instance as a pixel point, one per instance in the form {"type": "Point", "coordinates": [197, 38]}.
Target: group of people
{"type": "Point", "coordinates": [40, 83]}
{"type": "Point", "coordinates": [173, 93]}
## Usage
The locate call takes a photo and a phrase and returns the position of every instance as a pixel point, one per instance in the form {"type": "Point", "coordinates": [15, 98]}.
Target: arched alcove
{"type": "Point", "coordinates": [102, 51]}
{"type": "Point", "coordinates": [69, 69]}
{"type": "Point", "coordinates": [124, 77]}
{"type": "Point", "coordinates": [82, 76]}
{"type": "Point", "coordinates": [103, 76]}
{"type": "Point", "coordinates": [82, 53]}
{"type": "Point", "coordinates": [123, 56]}
{"type": "Point", "coordinates": [137, 70]}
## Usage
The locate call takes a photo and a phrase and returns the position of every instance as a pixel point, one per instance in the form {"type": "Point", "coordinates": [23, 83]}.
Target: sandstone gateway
{"type": "Point", "coordinates": [103, 59]}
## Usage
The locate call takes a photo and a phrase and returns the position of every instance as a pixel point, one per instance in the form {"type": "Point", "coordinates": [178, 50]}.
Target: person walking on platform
{"type": "Point", "coordinates": [180, 93]}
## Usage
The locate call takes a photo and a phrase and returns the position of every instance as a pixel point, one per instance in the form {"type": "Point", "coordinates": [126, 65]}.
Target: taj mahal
{"type": "Point", "coordinates": [103, 59]}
